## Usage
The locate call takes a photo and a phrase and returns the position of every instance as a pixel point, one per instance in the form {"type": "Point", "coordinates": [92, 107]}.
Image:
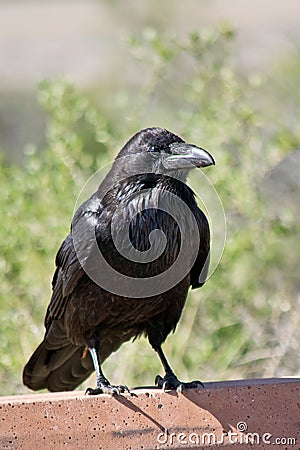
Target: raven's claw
{"type": "Point", "coordinates": [170, 381]}
{"type": "Point", "coordinates": [107, 389]}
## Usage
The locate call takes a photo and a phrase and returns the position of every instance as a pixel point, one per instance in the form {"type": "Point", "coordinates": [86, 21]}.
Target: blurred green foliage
{"type": "Point", "coordinates": [246, 320]}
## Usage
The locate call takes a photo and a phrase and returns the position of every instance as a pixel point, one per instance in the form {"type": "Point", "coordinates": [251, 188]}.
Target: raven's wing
{"type": "Point", "coordinates": [200, 268]}
{"type": "Point", "coordinates": [66, 277]}
{"type": "Point", "coordinates": [72, 256]}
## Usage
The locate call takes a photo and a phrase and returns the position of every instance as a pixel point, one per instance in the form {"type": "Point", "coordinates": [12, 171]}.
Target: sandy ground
{"type": "Point", "coordinates": [85, 39]}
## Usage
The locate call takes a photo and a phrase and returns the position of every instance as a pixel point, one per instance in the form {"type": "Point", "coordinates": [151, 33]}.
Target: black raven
{"type": "Point", "coordinates": [103, 296]}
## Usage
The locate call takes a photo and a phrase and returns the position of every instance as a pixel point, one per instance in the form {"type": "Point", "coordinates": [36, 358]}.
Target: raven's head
{"type": "Point", "coordinates": [157, 150]}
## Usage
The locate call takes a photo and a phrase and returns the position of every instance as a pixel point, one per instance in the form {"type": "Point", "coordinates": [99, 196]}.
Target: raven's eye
{"type": "Point", "coordinates": [154, 148]}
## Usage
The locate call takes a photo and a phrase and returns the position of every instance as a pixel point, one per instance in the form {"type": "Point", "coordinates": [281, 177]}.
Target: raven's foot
{"type": "Point", "coordinates": [107, 388]}
{"type": "Point", "coordinates": [170, 381]}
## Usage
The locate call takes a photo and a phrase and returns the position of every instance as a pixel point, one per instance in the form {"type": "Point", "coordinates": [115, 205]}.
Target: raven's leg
{"type": "Point", "coordinates": [170, 381]}
{"type": "Point", "coordinates": [103, 386]}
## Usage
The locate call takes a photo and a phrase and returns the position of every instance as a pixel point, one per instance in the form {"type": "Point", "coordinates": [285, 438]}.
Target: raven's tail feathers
{"type": "Point", "coordinates": [57, 370]}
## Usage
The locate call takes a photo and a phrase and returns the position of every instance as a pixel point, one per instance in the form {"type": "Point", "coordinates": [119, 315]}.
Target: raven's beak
{"type": "Point", "coordinates": [187, 156]}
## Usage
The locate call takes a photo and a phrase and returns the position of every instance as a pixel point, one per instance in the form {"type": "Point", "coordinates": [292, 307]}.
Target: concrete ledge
{"type": "Point", "coordinates": [232, 414]}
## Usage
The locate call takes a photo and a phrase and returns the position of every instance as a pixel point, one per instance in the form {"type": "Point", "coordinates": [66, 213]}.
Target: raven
{"type": "Point", "coordinates": [114, 277]}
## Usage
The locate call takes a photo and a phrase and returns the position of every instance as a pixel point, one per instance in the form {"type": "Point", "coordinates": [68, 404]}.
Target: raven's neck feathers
{"type": "Point", "coordinates": [124, 189]}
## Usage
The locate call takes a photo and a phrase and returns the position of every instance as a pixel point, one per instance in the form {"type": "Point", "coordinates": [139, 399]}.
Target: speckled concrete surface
{"type": "Point", "coordinates": [229, 414]}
